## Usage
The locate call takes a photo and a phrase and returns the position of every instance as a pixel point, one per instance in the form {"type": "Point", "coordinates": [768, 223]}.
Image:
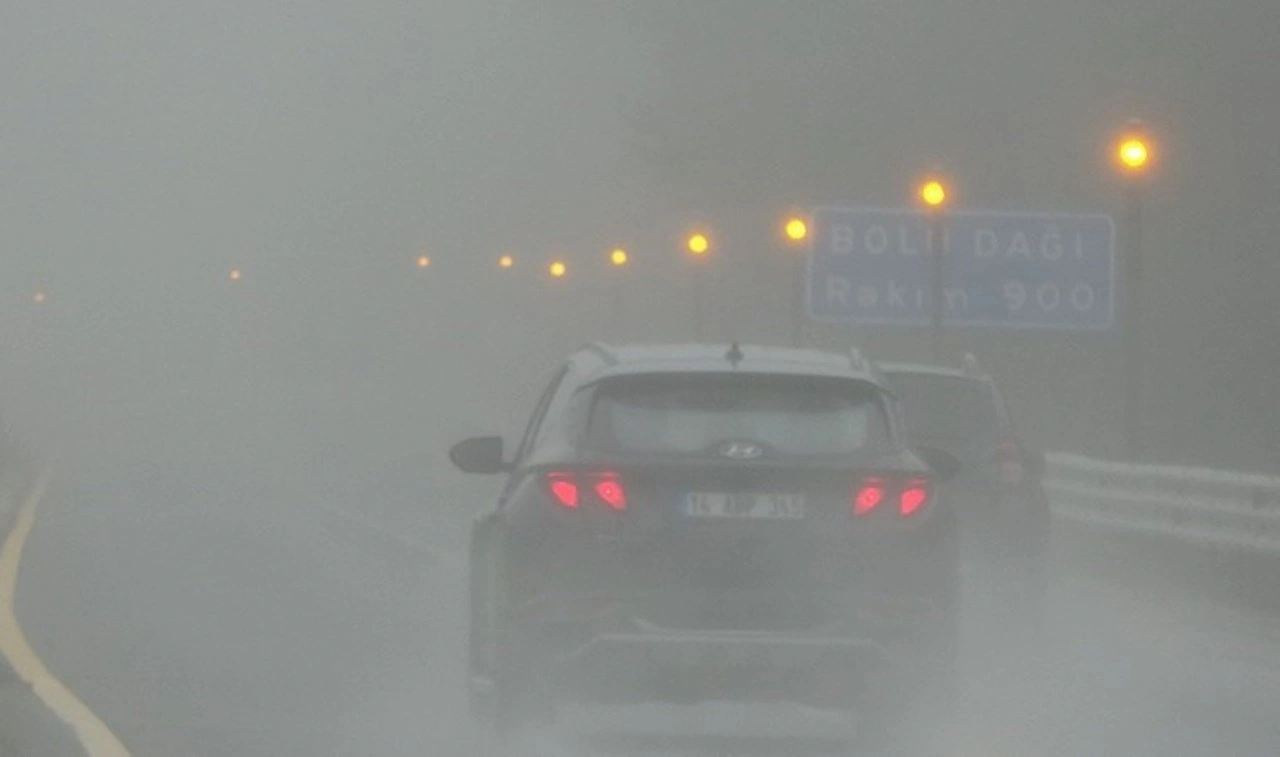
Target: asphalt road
{"type": "Point", "coordinates": [204, 609]}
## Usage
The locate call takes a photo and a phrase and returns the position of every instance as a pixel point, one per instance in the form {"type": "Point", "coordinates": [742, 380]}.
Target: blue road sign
{"type": "Point", "coordinates": [1008, 270]}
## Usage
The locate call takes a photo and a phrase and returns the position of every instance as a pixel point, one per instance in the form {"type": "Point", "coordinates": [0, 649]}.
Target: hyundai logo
{"type": "Point", "coordinates": [741, 450]}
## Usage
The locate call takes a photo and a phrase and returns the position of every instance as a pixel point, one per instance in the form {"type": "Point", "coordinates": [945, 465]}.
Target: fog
{"type": "Point", "coordinates": [148, 149]}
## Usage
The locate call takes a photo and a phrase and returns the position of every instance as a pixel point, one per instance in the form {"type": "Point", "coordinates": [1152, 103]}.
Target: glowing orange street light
{"type": "Point", "coordinates": [39, 297]}
{"type": "Point", "coordinates": [1133, 154]}
{"type": "Point", "coordinates": [558, 270]}
{"type": "Point", "coordinates": [796, 229]}
{"type": "Point", "coordinates": [234, 275]}
{"type": "Point", "coordinates": [619, 257]}
{"type": "Point", "coordinates": [698, 244]}
{"type": "Point", "coordinates": [424, 261]}
{"type": "Point", "coordinates": [506, 261]}
{"type": "Point", "coordinates": [933, 193]}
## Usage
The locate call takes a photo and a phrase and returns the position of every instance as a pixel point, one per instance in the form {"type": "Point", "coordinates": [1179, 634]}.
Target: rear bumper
{"type": "Point", "coordinates": [617, 657]}
{"type": "Point", "coordinates": [722, 666]}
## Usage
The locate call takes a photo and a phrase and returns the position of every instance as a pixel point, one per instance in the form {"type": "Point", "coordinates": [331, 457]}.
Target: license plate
{"type": "Point", "coordinates": [744, 505]}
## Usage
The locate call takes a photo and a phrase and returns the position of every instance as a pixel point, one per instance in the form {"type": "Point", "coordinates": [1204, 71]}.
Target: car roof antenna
{"type": "Point", "coordinates": [734, 355]}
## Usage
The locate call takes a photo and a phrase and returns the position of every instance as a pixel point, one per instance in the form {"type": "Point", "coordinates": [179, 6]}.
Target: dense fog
{"type": "Point", "coordinates": [318, 150]}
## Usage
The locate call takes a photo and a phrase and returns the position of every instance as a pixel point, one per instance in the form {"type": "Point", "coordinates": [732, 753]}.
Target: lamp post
{"type": "Point", "coordinates": [796, 232]}
{"type": "Point", "coordinates": [933, 195]}
{"type": "Point", "coordinates": [699, 247]}
{"type": "Point", "coordinates": [1132, 160]}
{"type": "Point", "coordinates": [619, 258]}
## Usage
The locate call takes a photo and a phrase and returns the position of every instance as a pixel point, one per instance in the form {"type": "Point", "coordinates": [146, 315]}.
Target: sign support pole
{"type": "Point", "coordinates": [699, 294]}
{"type": "Point", "coordinates": [797, 302]}
{"type": "Point", "coordinates": [1133, 363]}
{"type": "Point", "coordinates": [619, 308]}
{"type": "Point", "coordinates": [937, 305]}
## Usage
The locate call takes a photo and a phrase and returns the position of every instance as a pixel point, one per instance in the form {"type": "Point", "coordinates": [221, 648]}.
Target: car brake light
{"type": "Point", "coordinates": [610, 492]}
{"type": "Point", "coordinates": [914, 496]}
{"type": "Point", "coordinates": [564, 489]}
{"type": "Point", "coordinates": [570, 489]}
{"type": "Point", "coordinates": [869, 496]}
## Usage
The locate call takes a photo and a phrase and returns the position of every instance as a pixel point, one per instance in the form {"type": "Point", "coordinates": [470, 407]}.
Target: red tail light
{"type": "Point", "coordinates": [610, 492]}
{"type": "Point", "coordinates": [914, 497]}
{"type": "Point", "coordinates": [869, 496]}
{"type": "Point", "coordinates": [569, 490]}
{"type": "Point", "coordinates": [564, 490]}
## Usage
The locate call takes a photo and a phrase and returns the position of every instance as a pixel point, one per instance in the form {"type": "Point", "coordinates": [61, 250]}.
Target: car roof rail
{"type": "Point", "coordinates": [972, 368]}
{"type": "Point", "coordinates": [601, 350]}
{"type": "Point", "coordinates": [858, 361]}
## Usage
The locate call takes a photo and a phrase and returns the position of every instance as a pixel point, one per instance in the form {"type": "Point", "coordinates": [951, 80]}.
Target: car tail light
{"type": "Point", "coordinates": [869, 496]}
{"type": "Point", "coordinates": [911, 495]}
{"type": "Point", "coordinates": [1009, 454]}
{"type": "Point", "coordinates": [914, 496]}
{"type": "Point", "coordinates": [610, 491]}
{"type": "Point", "coordinates": [571, 490]}
{"type": "Point", "coordinates": [564, 490]}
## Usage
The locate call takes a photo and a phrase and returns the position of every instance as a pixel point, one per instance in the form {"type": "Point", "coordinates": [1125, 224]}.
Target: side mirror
{"type": "Point", "coordinates": [945, 466]}
{"type": "Point", "coordinates": [482, 455]}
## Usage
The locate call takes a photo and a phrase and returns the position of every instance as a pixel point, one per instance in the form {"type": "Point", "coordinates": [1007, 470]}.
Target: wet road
{"type": "Point", "coordinates": [216, 610]}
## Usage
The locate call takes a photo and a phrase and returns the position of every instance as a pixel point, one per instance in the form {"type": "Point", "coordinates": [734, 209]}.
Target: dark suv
{"type": "Point", "coordinates": [998, 493]}
{"type": "Point", "coordinates": [686, 523]}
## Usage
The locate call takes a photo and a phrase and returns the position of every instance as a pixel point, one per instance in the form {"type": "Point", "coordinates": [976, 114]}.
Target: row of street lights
{"type": "Point", "coordinates": [1132, 155]}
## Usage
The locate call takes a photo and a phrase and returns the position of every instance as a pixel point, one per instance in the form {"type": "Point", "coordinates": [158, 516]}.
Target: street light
{"type": "Point", "coordinates": [619, 257]}
{"type": "Point", "coordinates": [424, 261]}
{"type": "Point", "coordinates": [934, 195]}
{"type": "Point", "coordinates": [557, 269]}
{"type": "Point", "coordinates": [1133, 154]}
{"type": "Point", "coordinates": [698, 244]}
{"type": "Point", "coordinates": [796, 229]}
{"type": "Point", "coordinates": [506, 261]}
{"type": "Point", "coordinates": [234, 275]}
{"type": "Point", "coordinates": [39, 297]}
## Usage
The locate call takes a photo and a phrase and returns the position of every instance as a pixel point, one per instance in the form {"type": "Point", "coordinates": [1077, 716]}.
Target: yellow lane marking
{"type": "Point", "coordinates": [95, 737]}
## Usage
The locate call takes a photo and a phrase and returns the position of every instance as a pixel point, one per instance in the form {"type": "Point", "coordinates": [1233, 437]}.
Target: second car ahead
{"type": "Point", "coordinates": [685, 523]}
{"type": "Point", "coordinates": [998, 496]}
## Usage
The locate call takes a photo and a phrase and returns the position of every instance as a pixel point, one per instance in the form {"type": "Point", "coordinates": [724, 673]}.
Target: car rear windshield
{"type": "Point", "coordinates": [782, 416]}
{"type": "Point", "coordinates": [958, 414]}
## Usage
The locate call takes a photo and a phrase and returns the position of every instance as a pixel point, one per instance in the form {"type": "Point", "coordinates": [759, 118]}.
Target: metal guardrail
{"type": "Point", "coordinates": [1210, 507]}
